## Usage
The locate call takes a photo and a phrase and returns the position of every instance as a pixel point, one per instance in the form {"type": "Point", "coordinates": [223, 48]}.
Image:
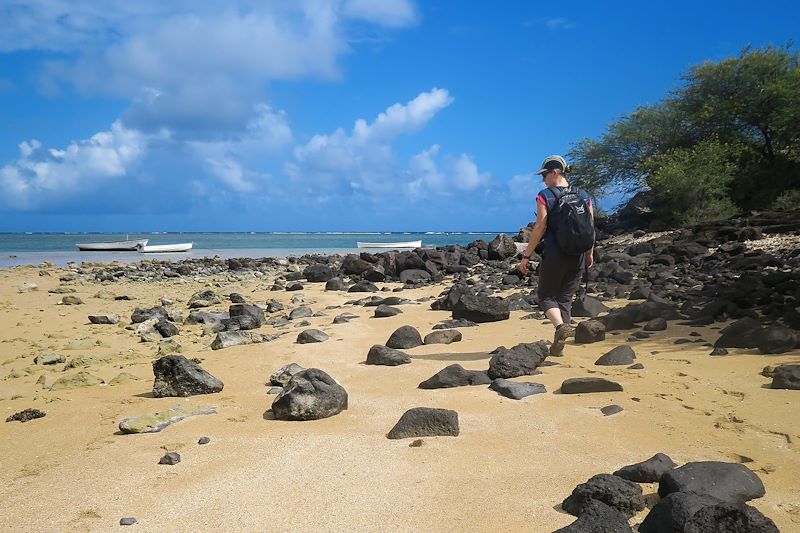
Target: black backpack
{"type": "Point", "coordinates": [574, 229]}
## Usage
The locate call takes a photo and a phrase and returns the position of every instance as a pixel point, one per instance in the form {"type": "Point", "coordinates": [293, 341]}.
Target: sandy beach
{"type": "Point", "coordinates": [508, 470]}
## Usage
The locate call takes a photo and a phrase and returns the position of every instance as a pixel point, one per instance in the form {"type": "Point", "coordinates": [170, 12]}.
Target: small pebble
{"type": "Point", "coordinates": [171, 458]}
{"type": "Point", "coordinates": [127, 521]}
{"type": "Point", "coordinates": [416, 443]}
{"type": "Point", "coordinates": [203, 440]}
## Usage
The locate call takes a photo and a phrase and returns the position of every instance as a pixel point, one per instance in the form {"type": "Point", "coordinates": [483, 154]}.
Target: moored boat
{"type": "Point", "coordinates": [407, 244]}
{"type": "Point", "coordinates": [166, 248]}
{"type": "Point", "coordinates": [112, 246]}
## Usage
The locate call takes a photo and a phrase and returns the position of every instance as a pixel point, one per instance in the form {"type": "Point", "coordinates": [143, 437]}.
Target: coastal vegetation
{"type": "Point", "coordinates": [727, 140]}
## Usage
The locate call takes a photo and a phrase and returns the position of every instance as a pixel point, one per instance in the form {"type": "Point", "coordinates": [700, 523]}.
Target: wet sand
{"type": "Point", "coordinates": [508, 470]}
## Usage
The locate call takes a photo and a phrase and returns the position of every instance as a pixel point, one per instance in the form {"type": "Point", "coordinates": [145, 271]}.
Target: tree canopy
{"type": "Point", "coordinates": [727, 139]}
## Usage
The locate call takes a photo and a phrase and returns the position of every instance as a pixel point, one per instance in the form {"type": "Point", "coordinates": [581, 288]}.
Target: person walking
{"type": "Point", "coordinates": [565, 228]}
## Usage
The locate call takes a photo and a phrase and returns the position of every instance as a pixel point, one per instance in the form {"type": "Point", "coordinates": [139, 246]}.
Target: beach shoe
{"type": "Point", "coordinates": [563, 332]}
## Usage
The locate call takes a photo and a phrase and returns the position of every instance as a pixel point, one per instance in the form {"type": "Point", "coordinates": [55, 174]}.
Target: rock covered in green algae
{"type": "Point", "coordinates": [81, 379]}
{"type": "Point", "coordinates": [155, 422]}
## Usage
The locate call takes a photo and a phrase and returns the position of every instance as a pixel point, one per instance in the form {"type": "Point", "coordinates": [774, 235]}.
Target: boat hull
{"type": "Point", "coordinates": [408, 244]}
{"type": "Point", "coordinates": [112, 246]}
{"type": "Point", "coordinates": [166, 248]}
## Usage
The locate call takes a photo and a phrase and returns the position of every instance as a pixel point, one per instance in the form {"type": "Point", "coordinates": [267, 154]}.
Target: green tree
{"type": "Point", "coordinates": [691, 184]}
{"type": "Point", "coordinates": [743, 110]}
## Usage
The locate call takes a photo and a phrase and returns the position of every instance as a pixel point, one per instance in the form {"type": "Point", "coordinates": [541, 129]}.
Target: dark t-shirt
{"type": "Point", "coordinates": [548, 199]}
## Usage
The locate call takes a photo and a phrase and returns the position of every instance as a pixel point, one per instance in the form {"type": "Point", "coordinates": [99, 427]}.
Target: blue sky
{"type": "Point", "coordinates": [339, 115]}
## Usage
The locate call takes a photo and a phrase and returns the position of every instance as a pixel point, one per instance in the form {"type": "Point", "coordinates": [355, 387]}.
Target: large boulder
{"type": "Point", "coordinates": [443, 336]}
{"type": "Point", "coordinates": [587, 306]}
{"type": "Point", "coordinates": [455, 376]}
{"type": "Point", "coordinates": [385, 311]}
{"type": "Point", "coordinates": [621, 494]}
{"type": "Point", "coordinates": [649, 471]}
{"type": "Point", "coordinates": [404, 337]}
{"type": "Point", "coordinates": [246, 316]}
{"type": "Point", "coordinates": [141, 315]}
{"type": "Point", "coordinates": [516, 390]}
{"type": "Point", "coordinates": [310, 395]}
{"type": "Point", "coordinates": [204, 298]}
{"type": "Point", "coordinates": [335, 284]}
{"type": "Point", "coordinates": [318, 273]}
{"type": "Point", "coordinates": [311, 336]}
{"type": "Point", "coordinates": [590, 331]}
{"type": "Point", "coordinates": [177, 376]}
{"type": "Point", "coordinates": [385, 356]}
{"type": "Point", "coordinates": [425, 422]}
{"type": "Point", "coordinates": [520, 360]}
{"type": "Point", "coordinates": [742, 333]}
{"type": "Point", "coordinates": [626, 317]}
{"type": "Point", "coordinates": [730, 482]}
{"type": "Point", "coordinates": [353, 264]}
{"type": "Point", "coordinates": [480, 308]}
{"type": "Point", "coordinates": [775, 339]}
{"type": "Point", "coordinates": [414, 275]}
{"type": "Point", "coordinates": [619, 355]}
{"type": "Point", "coordinates": [226, 339]}
{"type": "Point", "coordinates": [502, 247]}
{"type": "Point", "coordinates": [700, 513]}
{"type": "Point", "coordinates": [597, 517]}
{"type": "Point", "coordinates": [786, 377]}
{"type": "Point", "coordinates": [584, 385]}
{"type": "Point", "coordinates": [731, 518]}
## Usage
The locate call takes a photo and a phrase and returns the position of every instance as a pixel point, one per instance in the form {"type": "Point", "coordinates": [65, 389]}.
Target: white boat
{"type": "Point", "coordinates": [111, 246]}
{"type": "Point", "coordinates": [408, 244]}
{"type": "Point", "coordinates": [166, 248]}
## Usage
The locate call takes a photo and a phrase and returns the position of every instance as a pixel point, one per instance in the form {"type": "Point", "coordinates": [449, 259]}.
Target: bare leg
{"type": "Point", "coordinates": [554, 314]}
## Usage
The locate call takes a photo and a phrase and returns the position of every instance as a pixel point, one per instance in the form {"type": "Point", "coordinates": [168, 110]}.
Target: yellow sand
{"type": "Point", "coordinates": [509, 470]}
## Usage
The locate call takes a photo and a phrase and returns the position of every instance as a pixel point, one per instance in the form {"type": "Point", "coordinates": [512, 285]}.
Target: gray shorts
{"type": "Point", "coordinates": [559, 279]}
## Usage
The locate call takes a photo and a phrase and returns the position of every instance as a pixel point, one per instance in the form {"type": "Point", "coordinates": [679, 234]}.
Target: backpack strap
{"type": "Point", "coordinates": [557, 195]}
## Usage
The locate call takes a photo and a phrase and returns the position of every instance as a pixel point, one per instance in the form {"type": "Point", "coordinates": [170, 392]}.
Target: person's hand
{"type": "Point", "coordinates": [589, 259]}
{"type": "Point", "coordinates": [523, 266]}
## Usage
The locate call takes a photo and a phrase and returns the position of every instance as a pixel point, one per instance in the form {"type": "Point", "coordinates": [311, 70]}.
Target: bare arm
{"type": "Point", "coordinates": [590, 253]}
{"type": "Point", "coordinates": [536, 235]}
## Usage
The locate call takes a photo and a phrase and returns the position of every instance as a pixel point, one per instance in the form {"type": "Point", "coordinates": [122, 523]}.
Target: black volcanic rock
{"type": "Point", "coordinates": [775, 340]}
{"type": "Point", "coordinates": [443, 336]}
{"type": "Point", "coordinates": [318, 273]}
{"type": "Point", "coordinates": [520, 360]}
{"type": "Point", "coordinates": [590, 331]}
{"type": "Point", "coordinates": [625, 496]}
{"type": "Point", "coordinates": [502, 247]}
{"type": "Point", "coordinates": [425, 422]}
{"type": "Point", "coordinates": [620, 355]}
{"type": "Point", "coordinates": [786, 377]}
{"type": "Point", "coordinates": [584, 385]}
{"type": "Point", "coordinates": [177, 376]}
{"type": "Point", "coordinates": [597, 517]}
{"type": "Point", "coordinates": [516, 390]}
{"type": "Point", "coordinates": [455, 376]}
{"type": "Point", "coordinates": [587, 306]}
{"type": "Point", "coordinates": [730, 482]}
{"type": "Point", "coordinates": [310, 395]}
{"type": "Point", "coordinates": [480, 308]}
{"type": "Point", "coordinates": [649, 471]}
{"type": "Point", "coordinates": [742, 333]}
{"type": "Point", "coordinates": [383, 355]}
{"type": "Point", "coordinates": [404, 337]}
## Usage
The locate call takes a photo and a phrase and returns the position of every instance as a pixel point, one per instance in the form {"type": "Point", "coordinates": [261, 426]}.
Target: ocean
{"type": "Point", "coordinates": [59, 248]}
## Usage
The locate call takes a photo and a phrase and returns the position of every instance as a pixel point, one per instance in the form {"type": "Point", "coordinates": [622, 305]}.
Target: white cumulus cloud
{"type": "Point", "coordinates": [364, 159]}
{"type": "Point", "coordinates": [444, 174]}
{"type": "Point", "coordinates": [41, 175]}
